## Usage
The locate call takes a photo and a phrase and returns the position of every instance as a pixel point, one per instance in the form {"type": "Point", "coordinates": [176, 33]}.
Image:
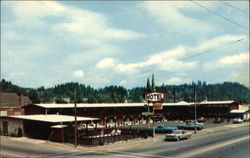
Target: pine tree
{"type": "Point", "coordinates": [148, 88]}
{"type": "Point", "coordinates": [153, 83]}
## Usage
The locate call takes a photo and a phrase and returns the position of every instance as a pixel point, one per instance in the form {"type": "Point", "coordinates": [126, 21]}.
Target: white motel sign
{"type": "Point", "coordinates": [155, 97]}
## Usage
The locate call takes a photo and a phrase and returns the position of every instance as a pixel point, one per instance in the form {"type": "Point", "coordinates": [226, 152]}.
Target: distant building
{"type": "Point", "coordinates": [11, 104]}
{"type": "Point", "coordinates": [242, 112]}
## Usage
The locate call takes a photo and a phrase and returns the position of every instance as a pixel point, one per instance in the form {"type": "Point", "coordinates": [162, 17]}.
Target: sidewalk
{"type": "Point", "coordinates": [112, 146]}
{"type": "Point", "coordinates": [23, 139]}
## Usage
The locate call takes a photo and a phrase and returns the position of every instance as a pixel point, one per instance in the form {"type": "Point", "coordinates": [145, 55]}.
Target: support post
{"type": "Point", "coordinates": [153, 122]}
{"type": "Point", "coordinates": [195, 114]}
{"type": "Point", "coordinates": [75, 121]}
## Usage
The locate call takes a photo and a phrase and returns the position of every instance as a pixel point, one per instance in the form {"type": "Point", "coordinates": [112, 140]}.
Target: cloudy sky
{"type": "Point", "coordinates": [122, 43]}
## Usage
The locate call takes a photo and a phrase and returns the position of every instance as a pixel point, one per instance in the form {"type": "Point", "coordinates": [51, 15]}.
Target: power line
{"type": "Point", "coordinates": [209, 51]}
{"type": "Point", "coordinates": [196, 3]}
{"type": "Point", "coordinates": [243, 11]}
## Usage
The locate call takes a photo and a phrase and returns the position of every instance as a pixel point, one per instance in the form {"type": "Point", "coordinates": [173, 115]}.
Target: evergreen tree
{"type": "Point", "coordinates": [148, 89]}
{"type": "Point", "coordinates": [153, 83]}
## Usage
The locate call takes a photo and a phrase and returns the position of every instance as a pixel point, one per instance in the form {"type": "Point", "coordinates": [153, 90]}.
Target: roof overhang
{"type": "Point", "coordinates": [54, 118]}
{"type": "Point", "coordinates": [239, 111]}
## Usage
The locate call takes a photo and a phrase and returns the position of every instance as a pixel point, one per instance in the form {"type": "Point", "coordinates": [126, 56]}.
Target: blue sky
{"type": "Point", "coordinates": [122, 43]}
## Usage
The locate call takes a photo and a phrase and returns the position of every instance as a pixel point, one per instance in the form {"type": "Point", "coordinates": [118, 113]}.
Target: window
{"type": "Point", "coordinates": [3, 113]}
{"type": "Point", "coordinates": [17, 112]}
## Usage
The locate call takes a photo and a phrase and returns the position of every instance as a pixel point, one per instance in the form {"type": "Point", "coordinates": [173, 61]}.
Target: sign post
{"type": "Point", "coordinates": [157, 99]}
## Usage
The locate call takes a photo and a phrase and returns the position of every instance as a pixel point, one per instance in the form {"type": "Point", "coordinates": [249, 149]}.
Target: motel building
{"type": "Point", "coordinates": [108, 122]}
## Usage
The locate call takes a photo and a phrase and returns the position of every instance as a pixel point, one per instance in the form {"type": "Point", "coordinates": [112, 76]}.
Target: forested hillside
{"type": "Point", "coordinates": [64, 93]}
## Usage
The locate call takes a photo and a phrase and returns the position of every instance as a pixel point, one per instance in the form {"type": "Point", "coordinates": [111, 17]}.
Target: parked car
{"type": "Point", "coordinates": [193, 121]}
{"type": "Point", "coordinates": [201, 120]}
{"type": "Point", "coordinates": [190, 126]}
{"type": "Point", "coordinates": [164, 129]}
{"type": "Point", "coordinates": [178, 135]}
{"type": "Point", "coordinates": [219, 120]}
{"type": "Point", "coordinates": [238, 120]}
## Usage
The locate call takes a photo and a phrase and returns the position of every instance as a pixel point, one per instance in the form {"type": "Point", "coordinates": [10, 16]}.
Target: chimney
{"type": "Point", "coordinates": [21, 101]}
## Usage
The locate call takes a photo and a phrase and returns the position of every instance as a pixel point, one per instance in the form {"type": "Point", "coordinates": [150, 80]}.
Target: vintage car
{"type": "Point", "coordinates": [219, 120]}
{"type": "Point", "coordinates": [164, 129]}
{"type": "Point", "coordinates": [237, 120]}
{"type": "Point", "coordinates": [178, 135]}
{"type": "Point", "coordinates": [190, 126]}
{"type": "Point", "coordinates": [193, 121]}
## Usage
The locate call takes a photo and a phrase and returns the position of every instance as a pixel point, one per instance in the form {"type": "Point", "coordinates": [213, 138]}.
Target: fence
{"type": "Point", "coordinates": [101, 136]}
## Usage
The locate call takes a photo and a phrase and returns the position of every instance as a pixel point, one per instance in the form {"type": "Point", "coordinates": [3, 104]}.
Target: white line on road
{"type": "Point", "coordinates": [211, 147]}
{"type": "Point", "coordinates": [3, 154]}
{"type": "Point", "coordinates": [125, 154]}
{"type": "Point", "coordinates": [141, 154]}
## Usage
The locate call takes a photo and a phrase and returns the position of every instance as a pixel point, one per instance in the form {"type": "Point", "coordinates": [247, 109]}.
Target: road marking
{"type": "Point", "coordinates": [143, 155]}
{"type": "Point", "coordinates": [2, 154]}
{"type": "Point", "coordinates": [211, 147]}
{"type": "Point", "coordinates": [58, 154]}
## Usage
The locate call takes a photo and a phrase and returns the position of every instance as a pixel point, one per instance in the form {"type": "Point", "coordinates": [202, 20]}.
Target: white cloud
{"type": "Point", "coordinates": [161, 57]}
{"type": "Point", "coordinates": [128, 68]}
{"type": "Point", "coordinates": [228, 61]}
{"type": "Point", "coordinates": [177, 81]}
{"type": "Point", "coordinates": [167, 61]}
{"type": "Point", "coordinates": [171, 60]}
{"type": "Point", "coordinates": [91, 25]}
{"type": "Point", "coordinates": [177, 65]}
{"type": "Point", "coordinates": [170, 15]}
{"type": "Point", "coordinates": [66, 21]}
{"type": "Point", "coordinates": [106, 63]}
{"type": "Point", "coordinates": [242, 75]}
{"type": "Point", "coordinates": [123, 82]}
{"type": "Point", "coordinates": [235, 59]}
{"type": "Point", "coordinates": [78, 74]}
{"type": "Point", "coordinates": [90, 56]}
{"type": "Point", "coordinates": [217, 41]}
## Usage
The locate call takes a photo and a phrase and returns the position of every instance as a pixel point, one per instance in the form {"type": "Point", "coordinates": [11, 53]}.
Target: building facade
{"type": "Point", "coordinates": [123, 114]}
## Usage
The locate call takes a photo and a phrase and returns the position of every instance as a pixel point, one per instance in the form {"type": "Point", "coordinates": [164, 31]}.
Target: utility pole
{"type": "Point", "coordinates": [174, 96]}
{"type": "Point", "coordinates": [153, 122]}
{"type": "Point", "coordinates": [75, 120]}
{"type": "Point", "coordinates": [148, 115]}
{"type": "Point", "coordinates": [195, 115]}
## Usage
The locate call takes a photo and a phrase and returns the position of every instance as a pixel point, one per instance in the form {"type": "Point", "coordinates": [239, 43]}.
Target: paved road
{"type": "Point", "coordinates": [228, 143]}
{"type": "Point", "coordinates": [231, 141]}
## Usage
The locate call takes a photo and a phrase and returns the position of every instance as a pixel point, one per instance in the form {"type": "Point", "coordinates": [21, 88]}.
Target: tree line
{"type": "Point", "coordinates": [76, 92]}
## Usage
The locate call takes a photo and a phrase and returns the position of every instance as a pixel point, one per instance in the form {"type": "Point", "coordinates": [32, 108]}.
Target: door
{"type": "Point", "coordinates": [5, 127]}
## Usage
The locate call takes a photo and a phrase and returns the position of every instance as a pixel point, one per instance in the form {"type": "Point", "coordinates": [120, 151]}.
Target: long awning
{"type": "Point", "coordinates": [53, 118]}
{"type": "Point", "coordinates": [241, 111]}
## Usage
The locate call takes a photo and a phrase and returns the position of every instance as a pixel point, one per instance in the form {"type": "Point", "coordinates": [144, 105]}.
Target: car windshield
{"type": "Point", "coordinates": [177, 131]}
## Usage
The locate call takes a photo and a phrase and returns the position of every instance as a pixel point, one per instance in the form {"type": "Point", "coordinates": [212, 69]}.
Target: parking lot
{"type": "Point", "coordinates": [208, 124]}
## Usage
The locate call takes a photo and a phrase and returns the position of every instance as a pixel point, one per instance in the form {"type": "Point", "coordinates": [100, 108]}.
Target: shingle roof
{"type": "Point", "coordinates": [12, 100]}
{"type": "Point", "coordinates": [9, 100]}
